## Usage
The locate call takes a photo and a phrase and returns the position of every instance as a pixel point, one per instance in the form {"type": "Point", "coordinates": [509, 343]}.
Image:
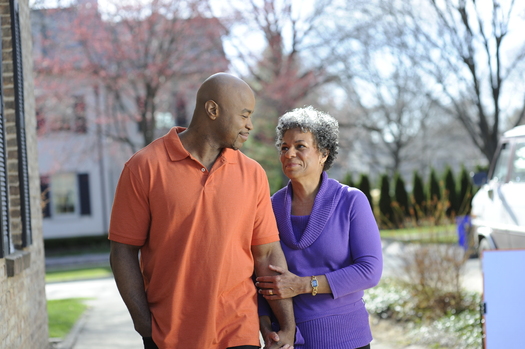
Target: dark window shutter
{"type": "Point", "coordinates": [5, 242]}
{"type": "Point", "coordinates": [83, 190]}
{"type": "Point", "coordinates": [44, 195]}
{"type": "Point", "coordinates": [23, 175]}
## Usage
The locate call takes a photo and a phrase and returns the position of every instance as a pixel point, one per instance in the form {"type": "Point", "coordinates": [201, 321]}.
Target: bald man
{"type": "Point", "coordinates": [199, 213]}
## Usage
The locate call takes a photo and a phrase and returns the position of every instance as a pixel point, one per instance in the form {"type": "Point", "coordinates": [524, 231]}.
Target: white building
{"type": "Point", "coordinates": [81, 143]}
{"type": "Point", "coordinates": [79, 169]}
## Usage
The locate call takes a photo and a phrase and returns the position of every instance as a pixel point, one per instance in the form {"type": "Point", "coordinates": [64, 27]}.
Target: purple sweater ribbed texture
{"type": "Point", "coordinates": [341, 240]}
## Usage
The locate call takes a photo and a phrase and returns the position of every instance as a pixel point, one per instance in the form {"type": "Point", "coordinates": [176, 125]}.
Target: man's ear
{"type": "Point", "coordinates": [212, 109]}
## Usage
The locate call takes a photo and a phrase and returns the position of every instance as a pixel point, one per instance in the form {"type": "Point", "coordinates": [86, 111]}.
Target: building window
{"type": "Point", "coordinates": [71, 117]}
{"type": "Point", "coordinates": [79, 112]}
{"type": "Point", "coordinates": [40, 121]}
{"type": "Point", "coordinates": [23, 172]}
{"type": "Point", "coordinates": [65, 194]}
{"type": "Point", "coordinates": [62, 122]}
{"type": "Point", "coordinates": [45, 197]}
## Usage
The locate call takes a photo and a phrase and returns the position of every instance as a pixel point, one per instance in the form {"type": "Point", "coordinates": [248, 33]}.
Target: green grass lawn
{"type": "Point", "coordinates": [63, 314]}
{"type": "Point", "coordinates": [78, 274]}
{"type": "Point", "coordinates": [440, 234]}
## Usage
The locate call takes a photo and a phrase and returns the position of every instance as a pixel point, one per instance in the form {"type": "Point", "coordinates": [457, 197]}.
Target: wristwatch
{"type": "Point", "coordinates": [314, 284]}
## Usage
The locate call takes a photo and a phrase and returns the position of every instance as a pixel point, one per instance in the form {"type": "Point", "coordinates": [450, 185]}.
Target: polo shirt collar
{"type": "Point", "coordinates": [176, 151]}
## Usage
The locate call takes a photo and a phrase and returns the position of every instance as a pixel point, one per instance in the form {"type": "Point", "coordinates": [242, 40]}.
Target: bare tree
{"type": "Point", "coordinates": [386, 89]}
{"type": "Point", "coordinates": [293, 57]}
{"type": "Point", "coordinates": [472, 55]}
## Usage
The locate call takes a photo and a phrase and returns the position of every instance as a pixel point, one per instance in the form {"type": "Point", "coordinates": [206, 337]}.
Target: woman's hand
{"type": "Point", "coordinates": [284, 285]}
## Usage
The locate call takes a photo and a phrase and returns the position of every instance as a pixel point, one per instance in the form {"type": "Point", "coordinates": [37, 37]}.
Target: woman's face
{"type": "Point", "coordinates": [300, 157]}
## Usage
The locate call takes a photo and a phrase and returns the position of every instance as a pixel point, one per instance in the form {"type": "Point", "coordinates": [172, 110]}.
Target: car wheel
{"type": "Point", "coordinates": [483, 246]}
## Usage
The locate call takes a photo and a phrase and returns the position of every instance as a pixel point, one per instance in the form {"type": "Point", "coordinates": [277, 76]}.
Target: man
{"type": "Point", "coordinates": [199, 212]}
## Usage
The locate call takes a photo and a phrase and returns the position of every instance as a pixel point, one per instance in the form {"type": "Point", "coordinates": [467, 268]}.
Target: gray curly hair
{"type": "Point", "coordinates": [323, 127]}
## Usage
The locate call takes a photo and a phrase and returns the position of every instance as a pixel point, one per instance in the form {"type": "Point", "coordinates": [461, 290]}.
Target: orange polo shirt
{"type": "Point", "coordinates": [196, 229]}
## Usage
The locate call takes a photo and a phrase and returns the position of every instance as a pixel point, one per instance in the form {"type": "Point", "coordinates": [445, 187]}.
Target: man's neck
{"type": "Point", "coordinates": [200, 146]}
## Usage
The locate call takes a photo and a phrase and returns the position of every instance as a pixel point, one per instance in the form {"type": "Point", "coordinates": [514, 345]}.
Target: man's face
{"type": "Point", "coordinates": [237, 119]}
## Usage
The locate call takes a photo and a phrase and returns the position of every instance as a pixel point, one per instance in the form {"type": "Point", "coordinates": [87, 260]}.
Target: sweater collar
{"type": "Point", "coordinates": [324, 204]}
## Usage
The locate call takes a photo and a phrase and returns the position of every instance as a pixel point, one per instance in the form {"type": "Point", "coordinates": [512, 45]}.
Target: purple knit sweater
{"type": "Point", "coordinates": [341, 240]}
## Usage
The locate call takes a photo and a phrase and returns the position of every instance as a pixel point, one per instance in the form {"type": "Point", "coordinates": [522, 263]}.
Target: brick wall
{"type": "Point", "coordinates": [23, 316]}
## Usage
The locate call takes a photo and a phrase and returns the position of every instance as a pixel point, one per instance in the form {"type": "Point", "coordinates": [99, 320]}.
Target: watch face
{"type": "Point", "coordinates": [314, 283]}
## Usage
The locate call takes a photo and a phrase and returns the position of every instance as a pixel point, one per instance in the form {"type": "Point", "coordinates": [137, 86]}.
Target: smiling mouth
{"type": "Point", "coordinates": [244, 135]}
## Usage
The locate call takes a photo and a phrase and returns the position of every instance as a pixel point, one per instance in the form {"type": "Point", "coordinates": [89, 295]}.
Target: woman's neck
{"type": "Point", "coordinates": [304, 192]}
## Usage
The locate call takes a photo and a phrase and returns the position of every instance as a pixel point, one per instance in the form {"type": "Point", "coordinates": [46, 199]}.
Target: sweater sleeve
{"type": "Point", "coordinates": [264, 307]}
{"type": "Point", "coordinates": [365, 247]}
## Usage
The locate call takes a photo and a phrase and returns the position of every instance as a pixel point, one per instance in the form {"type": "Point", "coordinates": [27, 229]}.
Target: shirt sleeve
{"type": "Point", "coordinates": [263, 306]}
{"type": "Point", "coordinates": [130, 214]}
{"type": "Point", "coordinates": [365, 246]}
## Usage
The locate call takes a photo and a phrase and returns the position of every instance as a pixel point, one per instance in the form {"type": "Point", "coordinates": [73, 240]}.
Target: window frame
{"type": "Point", "coordinates": [82, 195]}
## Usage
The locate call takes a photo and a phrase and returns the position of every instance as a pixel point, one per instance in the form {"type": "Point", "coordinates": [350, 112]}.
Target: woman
{"type": "Point", "coordinates": [329, 236]}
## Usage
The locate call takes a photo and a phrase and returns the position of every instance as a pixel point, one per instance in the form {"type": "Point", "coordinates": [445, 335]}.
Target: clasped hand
{"type": "Point", "coordinates": [284, 285]}
{"type": "Point", "coordinates": [272, 340]}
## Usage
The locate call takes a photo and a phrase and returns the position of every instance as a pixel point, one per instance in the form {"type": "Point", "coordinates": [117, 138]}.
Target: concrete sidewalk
{"type": "Point", "coordinates": [107, 323]}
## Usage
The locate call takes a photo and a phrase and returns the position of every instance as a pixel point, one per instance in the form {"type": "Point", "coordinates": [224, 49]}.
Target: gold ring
{"type": "Point", "coordinates": [271, 292]}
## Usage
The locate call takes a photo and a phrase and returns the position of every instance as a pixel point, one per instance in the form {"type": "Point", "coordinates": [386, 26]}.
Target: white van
{"type": "Point", "coordinates": [498, 208]}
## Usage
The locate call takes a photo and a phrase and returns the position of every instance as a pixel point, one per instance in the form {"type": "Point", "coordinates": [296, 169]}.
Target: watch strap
{"type": "Point", "coordinates": [315, 285]}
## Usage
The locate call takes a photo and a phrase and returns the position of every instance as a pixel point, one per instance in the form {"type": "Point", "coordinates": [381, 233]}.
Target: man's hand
{"type": "Point", "coordinates": [273, 340]}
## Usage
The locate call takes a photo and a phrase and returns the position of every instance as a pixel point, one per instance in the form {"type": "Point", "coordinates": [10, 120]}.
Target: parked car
{"type": "Point", "coordinates": [498, 208]}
